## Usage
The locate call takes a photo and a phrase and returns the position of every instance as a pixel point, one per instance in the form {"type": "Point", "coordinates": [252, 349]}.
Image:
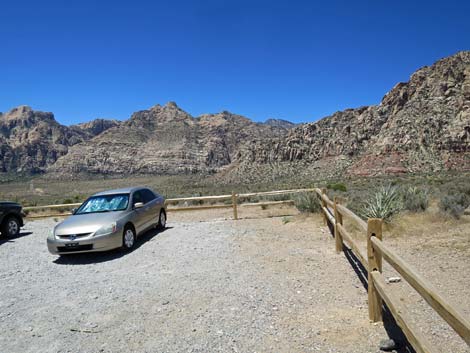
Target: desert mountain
{"type": "Point", "coordinates": [30, 140]}
{"type": "Point", "coordinates": [165, 140]}
{"type": "Point", "coordinates": [422, 125]}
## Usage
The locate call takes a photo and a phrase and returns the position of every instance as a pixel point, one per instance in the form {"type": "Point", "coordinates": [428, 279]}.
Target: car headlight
{"type": "Point", "coordinates": [52, 233]}
{"type": "Point", "coordinates": [111, 228]}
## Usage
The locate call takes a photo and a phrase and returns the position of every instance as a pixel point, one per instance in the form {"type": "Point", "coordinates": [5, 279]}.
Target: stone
{"type": "Point", "coordinates": [387, 345]}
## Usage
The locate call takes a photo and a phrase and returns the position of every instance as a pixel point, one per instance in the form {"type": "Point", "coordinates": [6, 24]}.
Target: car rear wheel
{"type": "Point", "coordinates": [128, 238]}
{"type": "Point", "coordinates": [161, 220]}
{"type": "Point", "coordinates": [11, 227]}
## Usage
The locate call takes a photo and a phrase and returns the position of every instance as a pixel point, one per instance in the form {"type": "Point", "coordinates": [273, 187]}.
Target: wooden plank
{"type": "Point", "coordinates": [49, 216]}
{"type": "Point", "coordinates": [196, 198]}
{"type": "Point", "coordinates": [350, 214]}
{"type": "Point", "coordinates": [374, 230]}
{"type": "Point", "coordinates": [196, 208]}
{"type": "Point", "coordinates": [399, 312]}
{"type": "Point", "coordinates": [28, 208]}
{"type": "Point", "coordinates": [268, 203]}
{"type": "Point", "coordinates": [338, 221]}
{"type": "Point", "coordinates": [328, 215]}
{"type": "Point", "coordinates": [276, 192]}
{"type": "Point", "coordinates": [328, 201]}
{"type": "Point", "coordinates": [360, 254]}
{"type": "Point", "coordinates": [450, 314]}
{"type": "Point", "coordinates": [234, 205]}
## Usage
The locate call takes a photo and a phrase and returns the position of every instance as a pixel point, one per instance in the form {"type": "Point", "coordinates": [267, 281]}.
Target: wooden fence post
{"type": "Point", "coordinates": [374, 229]}
{"type": "Point", "coordinates": [234, 203]}
{"type": "Point", "coordinates": [338, 220]}
{"type": "Point", "coordinates": [323, 203]}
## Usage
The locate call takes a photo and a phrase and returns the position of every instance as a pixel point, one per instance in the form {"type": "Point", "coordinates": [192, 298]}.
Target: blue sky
{"type": "Point", "coordinates": [296, 60]}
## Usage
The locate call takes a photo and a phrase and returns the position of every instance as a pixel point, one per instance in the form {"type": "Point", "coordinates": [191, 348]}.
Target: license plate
{"type": "Point", "coordinates": [71, 245]}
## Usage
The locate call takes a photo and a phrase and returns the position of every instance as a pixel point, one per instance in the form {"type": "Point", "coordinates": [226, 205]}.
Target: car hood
{"type": "Point", "coordinates": [87, 223]}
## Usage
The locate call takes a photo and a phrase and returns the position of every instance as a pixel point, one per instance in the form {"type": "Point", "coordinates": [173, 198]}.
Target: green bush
{"type": "Point", "coordinates": [454, 204]}
{"type": "Point", "coordinates": [415, 199]}
{"type": "Point", "coordinates": [307, 202]}
{"type": "Point", "coordinates": [337, 187]}
{"type": "Point", "coordinates": [385, 204]}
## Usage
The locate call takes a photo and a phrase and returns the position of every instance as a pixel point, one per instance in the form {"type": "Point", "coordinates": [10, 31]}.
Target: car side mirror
{"type": "Point", "coordinates": [74, 210]}
{"type": "Point", "coordinates": [138, 205]}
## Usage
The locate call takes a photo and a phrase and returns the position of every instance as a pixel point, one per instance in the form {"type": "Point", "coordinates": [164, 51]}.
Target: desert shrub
{"type": "Point", "coordinates": [307, 202]}
{"type": "Point", "coordinates": [385, 204]}
{"type": "Point", "coordinates": [280, 197]}
{"type": "Point", "coordinates": [415, 199]}
{"type": "Point", "coordinates": [286, 220]}
{"type": "Point", "coordinates": [337, 187]}
{"type": "Point", "coordinates": [454, 204]}
{"type": "Point", "coordinates": [67, 201]}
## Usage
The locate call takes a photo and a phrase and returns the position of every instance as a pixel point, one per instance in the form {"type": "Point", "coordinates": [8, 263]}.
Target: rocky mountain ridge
{"type": "Point", "coordinates": [165, 140]}
{"type": "Point", "coordinates": [30, 141]}
{"type": "Point", "coordinates": [420, 126]}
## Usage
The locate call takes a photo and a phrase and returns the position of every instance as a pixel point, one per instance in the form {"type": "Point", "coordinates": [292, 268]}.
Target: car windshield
{"type": "Point", "coordinates": [104, 203]}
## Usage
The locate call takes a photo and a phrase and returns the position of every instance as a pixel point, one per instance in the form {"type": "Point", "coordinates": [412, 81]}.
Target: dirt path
{"type": "Point", "coordinates": [253, 285]}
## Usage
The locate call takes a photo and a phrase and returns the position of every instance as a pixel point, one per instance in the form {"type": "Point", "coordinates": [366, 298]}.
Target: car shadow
{"type": "Point", "coordinates": [4, 239]}
{"type": "Point", "coordinates": [105, 256]}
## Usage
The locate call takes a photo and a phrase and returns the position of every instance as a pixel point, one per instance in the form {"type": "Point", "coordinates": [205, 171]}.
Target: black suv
{"type": "Point", "coordinates": [11, 218]}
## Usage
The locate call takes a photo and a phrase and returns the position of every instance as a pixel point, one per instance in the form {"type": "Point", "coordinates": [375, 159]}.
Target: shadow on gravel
{"type": "Point", "coordinates": [105, 256]}
{"type": "Point", "coordinates": [393, 330]}
{"type": "Point", "coordinates": [4, 240]}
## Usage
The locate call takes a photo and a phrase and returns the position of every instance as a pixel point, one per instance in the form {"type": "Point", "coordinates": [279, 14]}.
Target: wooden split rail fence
{"type": "Point", "coordinates": [378, 290]}
{"type": "Point", "coordinates": [234, 204]}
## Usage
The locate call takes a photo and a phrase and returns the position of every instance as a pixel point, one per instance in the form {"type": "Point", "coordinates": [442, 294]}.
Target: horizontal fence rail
{"type": "Point", "coordinates": [234, 197]}
{"type": "Point", "coordinates": [378, 290]}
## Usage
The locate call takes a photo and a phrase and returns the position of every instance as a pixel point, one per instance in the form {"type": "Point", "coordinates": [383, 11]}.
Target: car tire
{"type": "Point", "coordinates": [128, 238]}
{"type": "Point", "coordinates": [11, 227]}
{"type": "Point", "coordinates": [161, 220]}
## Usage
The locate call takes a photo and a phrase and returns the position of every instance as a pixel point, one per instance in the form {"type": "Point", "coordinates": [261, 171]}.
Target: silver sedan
{"type": "Point", "coordinates": [109, 220]}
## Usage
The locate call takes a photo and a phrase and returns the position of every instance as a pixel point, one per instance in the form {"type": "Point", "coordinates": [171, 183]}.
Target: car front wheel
{"type": "Point", "coordinates": [128, 238]}
{"type": "Point", "coordinates": [161, 220]}
{"type": "Point", "coordinates": [11, 227]}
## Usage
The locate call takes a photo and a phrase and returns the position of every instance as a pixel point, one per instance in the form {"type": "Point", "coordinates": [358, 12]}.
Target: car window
{"type": "Point", "coordinates": [148, 195]}
{"type": "Point", "coordinates": [137, 197]}
{"type": "Point", "coordinates": [104, 203]}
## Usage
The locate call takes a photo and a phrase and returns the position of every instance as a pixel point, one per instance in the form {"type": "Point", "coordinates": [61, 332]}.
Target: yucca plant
{"type": "Point", "coordinates": [415, 199]}
{"type": "Point", "coordinates": [385, 203]}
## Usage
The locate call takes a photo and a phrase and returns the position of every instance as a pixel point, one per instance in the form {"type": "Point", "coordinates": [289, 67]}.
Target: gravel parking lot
{"type": "Point", "coordinates": [253, 285]}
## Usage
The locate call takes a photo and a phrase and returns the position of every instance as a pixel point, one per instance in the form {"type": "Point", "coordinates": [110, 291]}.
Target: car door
{"type": "Point", "coordinates": [152, 209]}
{"type": "Point", "coordinates": [139, 213]}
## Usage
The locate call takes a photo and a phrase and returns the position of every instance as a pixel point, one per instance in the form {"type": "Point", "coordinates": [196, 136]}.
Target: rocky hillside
{"type": "Point", "coordinates": [422, 125]}
{"type": "Point", "coordinates": [165, 140]}
{"type": "Point", "coordinates": [30, 141]}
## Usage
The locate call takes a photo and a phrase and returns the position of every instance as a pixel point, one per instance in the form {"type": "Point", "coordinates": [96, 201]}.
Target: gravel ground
{"type": "Point", "coordinates": [253, 285]}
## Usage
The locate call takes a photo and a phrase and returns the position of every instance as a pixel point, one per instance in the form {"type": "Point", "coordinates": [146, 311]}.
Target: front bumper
{"type": "Point", "coordinates": [58, 246]}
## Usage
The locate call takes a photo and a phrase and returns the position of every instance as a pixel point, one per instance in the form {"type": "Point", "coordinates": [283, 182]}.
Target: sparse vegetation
{"type": "Point", "coordinates": [286, 220]}
{"type": "Point", "coordinates": [307, 202]}
{"type": "Point", "coordinates": [454, 204]}
{"type": "Point", "coordinates": [415, 199]}
{"type": "Point", "coordinates": [385, 204]}
{"type": "Point", "coordinates": [337, 187]}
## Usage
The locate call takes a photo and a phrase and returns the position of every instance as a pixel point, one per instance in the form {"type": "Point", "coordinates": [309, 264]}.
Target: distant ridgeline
{"type": "Point", "coordinates": [422, 125]}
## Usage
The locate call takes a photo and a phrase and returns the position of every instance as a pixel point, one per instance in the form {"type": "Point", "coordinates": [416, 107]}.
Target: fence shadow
{"type": "Point", "coordinates": [394, 331]}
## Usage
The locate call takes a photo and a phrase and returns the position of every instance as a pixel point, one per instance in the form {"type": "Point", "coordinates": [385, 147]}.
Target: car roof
{"type": "Point", "coordinates": [128, 190]}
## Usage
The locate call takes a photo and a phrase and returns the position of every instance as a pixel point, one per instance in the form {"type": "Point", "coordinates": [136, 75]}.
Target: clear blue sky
{"type": "Point", "coordinates": [297, 60]}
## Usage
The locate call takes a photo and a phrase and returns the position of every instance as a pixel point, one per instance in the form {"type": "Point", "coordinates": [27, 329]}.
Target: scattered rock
{"type": "Point", "coordinates": [387, 345]}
